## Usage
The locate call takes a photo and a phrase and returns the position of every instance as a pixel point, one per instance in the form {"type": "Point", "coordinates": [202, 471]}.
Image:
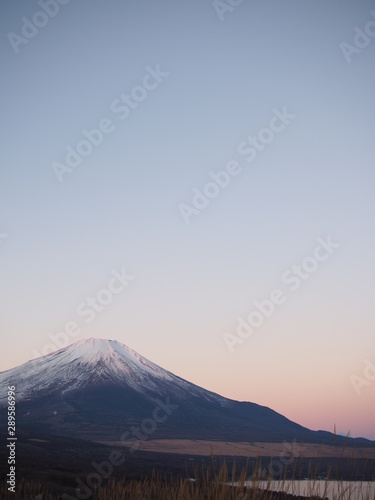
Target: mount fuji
{"type": "Point", "coordinates": [94, 363]}
{"type": "Point", "coordinates": [93, 388]}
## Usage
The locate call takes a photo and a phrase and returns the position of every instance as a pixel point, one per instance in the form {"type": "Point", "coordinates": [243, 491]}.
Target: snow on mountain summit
{"type": "Point", "coordinates": [91, 362]}
{"type": "Point", "coordinates": [79, 365]}
{"type": "Point", "coordinates": [109, 355]}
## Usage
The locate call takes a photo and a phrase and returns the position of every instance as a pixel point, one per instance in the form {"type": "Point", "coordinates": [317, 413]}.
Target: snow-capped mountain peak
{"type": "Point", "coordinates": [92, 362]}
{"type": "Point", "coordinates": [99, 389]}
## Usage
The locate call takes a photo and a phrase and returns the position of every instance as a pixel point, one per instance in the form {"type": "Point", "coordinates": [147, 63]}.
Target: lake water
{"type": "Point", "coordinates": [334, 490]}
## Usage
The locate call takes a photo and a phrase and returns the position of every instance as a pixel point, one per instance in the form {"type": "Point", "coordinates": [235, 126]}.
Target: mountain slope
{"type": "Point", "coordinates": [94, 363]}
{"type": "Point", "coordinates": [97, 389]}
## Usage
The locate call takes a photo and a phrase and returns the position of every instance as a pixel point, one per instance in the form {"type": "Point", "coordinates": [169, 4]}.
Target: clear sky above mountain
{"type": "Point", "coordinates": [229, 143]}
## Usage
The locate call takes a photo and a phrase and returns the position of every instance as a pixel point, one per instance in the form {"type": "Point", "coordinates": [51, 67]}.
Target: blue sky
{"type": "Point", "coordinates": [120, 207]}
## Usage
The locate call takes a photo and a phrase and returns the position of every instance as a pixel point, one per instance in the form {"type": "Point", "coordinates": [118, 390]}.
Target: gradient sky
{"type": "Point", "coordinates": [120, 206]}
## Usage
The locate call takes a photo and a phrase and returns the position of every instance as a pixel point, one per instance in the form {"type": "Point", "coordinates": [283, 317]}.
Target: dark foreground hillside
{"type": "Point", "coordinates": [61, 465]}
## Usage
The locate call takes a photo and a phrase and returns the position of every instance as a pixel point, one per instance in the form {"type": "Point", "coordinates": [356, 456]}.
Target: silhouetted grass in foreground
{"type": "Point", "coordinates": [207, 483]}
